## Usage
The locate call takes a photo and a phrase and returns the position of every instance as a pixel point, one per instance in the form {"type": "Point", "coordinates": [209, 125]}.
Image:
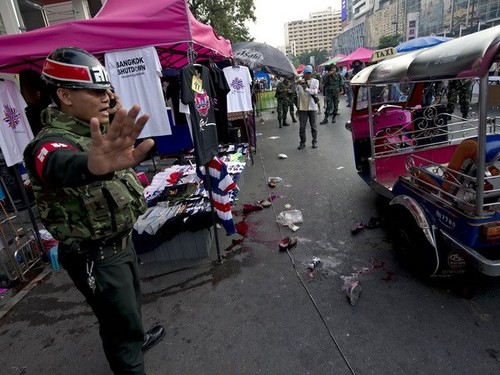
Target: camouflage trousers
{"type": "Point", "coordinates": [283, 105]}
{"type": "Point", "coordinates": [332, 104]}
{"type": "Point", "coordinates": [462, 91]}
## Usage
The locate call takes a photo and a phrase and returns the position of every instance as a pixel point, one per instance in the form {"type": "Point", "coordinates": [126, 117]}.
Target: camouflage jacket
{"type": "Point", "coordinates": [75, 205]}
{"type": "Point", "coordinates": [333, 83]}
{"type": "Point", "coordinates": [282, 91]}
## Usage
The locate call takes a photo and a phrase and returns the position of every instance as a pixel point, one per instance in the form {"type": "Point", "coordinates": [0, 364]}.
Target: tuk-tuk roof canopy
{"type": "Point", "coordinates": [465, 57]}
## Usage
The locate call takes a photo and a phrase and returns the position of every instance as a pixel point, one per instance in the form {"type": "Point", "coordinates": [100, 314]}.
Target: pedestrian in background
{"type": "Point", "coordinates": [357, 66]}
{"type": "Point", "coordinates": [307, 99]}
{"type": "Point", "coordinates": [462, 90]}
{"type": "Point", "coordinates": [89, 197]}
{"type": "Point", "coordinates": [332, 86]}
{"type": "Point", "coordinates": [292, 99]}
{"type": "Point", "coordinates": [282, 96]}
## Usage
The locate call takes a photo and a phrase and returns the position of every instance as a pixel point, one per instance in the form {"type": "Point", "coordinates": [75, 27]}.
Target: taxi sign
{"type": "Point", "coordinates": [381, 54]}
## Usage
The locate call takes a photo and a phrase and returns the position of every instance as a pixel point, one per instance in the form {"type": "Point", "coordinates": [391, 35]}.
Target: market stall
{"type": "Point", "coordinates": [179, 39]}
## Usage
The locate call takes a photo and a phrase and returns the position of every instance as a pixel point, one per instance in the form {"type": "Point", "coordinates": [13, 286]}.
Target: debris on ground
{"type": "Point", "coordinates": [287, 243]}
{"type": "Point", "coordinates": [288, 206]}
{"type": "Point", "coordinates": [282, 156]}
{"type": "Point", "coordinates": [358, 227]}
{"type": "Point", "coordinates": [315, 261]}
{"type": "Point", "coordinates": [265, 203]}
{"type": "Point", "coordinates": [353, 292]}
{"type": "Point", "coordinates": [286, 218]}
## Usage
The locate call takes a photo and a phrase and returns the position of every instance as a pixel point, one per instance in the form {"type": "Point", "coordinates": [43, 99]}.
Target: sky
{"type": "Point", "coordinates": [273, 14]}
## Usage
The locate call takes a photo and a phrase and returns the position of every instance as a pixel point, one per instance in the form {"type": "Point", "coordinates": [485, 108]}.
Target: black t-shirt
{"type": "Point", "coordinates": [198, 93]}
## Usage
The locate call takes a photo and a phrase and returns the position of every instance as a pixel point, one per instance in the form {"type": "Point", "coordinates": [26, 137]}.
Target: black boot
{"type": "Point", "coordinates": [279, 122]}
{"type": "Point", "coordinates": [285, 123]}
{"type": "Point", "coordinates": [325, 121]}
{"type": "Point", "coordinates": [465, 115]}
{"type": "Point", "coordinates": [293, 119]}
{"type": "Point", "coordinates": [333, 120]}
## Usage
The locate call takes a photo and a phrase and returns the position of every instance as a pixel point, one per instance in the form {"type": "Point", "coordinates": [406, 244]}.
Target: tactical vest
{"type": "Point", "coordinates": [98, 211]}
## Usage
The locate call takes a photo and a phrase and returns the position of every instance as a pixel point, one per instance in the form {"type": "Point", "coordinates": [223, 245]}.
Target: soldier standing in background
{"type": "Point", "coordinates": [282, 95]}
{"type": "Point", "coordinates": [460, 89]}
{"type": "Point", "coordinates": [332, 85]}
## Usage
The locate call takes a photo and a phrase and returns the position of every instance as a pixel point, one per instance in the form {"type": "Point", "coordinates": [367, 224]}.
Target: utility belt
{"type": "Point", "coordinates": [98, 249]}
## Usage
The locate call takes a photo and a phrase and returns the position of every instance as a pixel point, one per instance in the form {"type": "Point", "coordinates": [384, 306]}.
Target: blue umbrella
{"type": "Point", "coordinates": [422, 42]}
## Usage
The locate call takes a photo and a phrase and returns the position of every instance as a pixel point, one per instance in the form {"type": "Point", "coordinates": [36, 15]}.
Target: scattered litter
{"type": "Point", "coordinates": [271, 184]}
{"type": "Point", "coordinates": [261, 120]}
{"type": "Point", "coordinates": [293, 227]}
{"type": "Point", "coordinates": [258, 134]}
{"type": "Point", "coordinates": [265, 203]}
{"type": "Point", "coordinates": [274, 137]}
{"type": "Point", "coordinates": [313, 263]}
{"type": "Point", "coordinates": [353, 290]}
{"type": "Point", "coordinates": [274, 179]}
{"type": "Point", "coordinates": [288, 243]}
{"type": "Point", "coordinates": [288, 206]}
{"type": "Point", "coordinates": [340, 168]}
{"type": "Point", "coordinates": [282, 156]}
{"type": "Point", "coordinates": [290, 217]}
{"type": "Point", "coordinates": [357, 228]}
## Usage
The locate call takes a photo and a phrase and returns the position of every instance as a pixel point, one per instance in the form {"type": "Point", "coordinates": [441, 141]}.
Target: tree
{"type": "Point", "coordinates": [227, 17]}
{"type": "Point", "coordinates": [304, 58]}
{"type": "Point", "coordinates": [388, 41]}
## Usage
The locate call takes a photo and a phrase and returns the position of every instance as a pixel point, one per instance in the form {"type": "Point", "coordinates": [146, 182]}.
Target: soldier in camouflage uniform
{"type": "Point", "coordinates": [462, 90]}
{"type": "Point", "coordinates": [332, 85]}
{"type": "Point", "coordinates": [89, 198]}
{"type": "Point", "coordinates": [282, 95]}
{"type": "Point", "coordinates": [292, 100]}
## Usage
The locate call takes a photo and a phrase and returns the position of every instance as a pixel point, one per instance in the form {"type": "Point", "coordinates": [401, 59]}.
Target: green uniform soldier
{"type": "Point", "coordinates": [89, 197]}
{"type": "Point", "coordinates": [461, 89]}
{"type": "Point", "coordinates": [332, 86]}
{"type": "Point", "coordinates": [283, 94]}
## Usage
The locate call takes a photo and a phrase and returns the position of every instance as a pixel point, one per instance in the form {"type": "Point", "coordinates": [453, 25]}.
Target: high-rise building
{"type": "Point", "coordinates": [315, 33]}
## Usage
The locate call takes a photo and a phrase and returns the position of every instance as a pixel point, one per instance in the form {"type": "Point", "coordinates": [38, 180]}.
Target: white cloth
{"type": "Point", "coordinates": [135, 75]}
{"type": "Point", "coordinates": [15, 130]}
{"type": "Point", "coordinates": [239, 99]}
{"type": "Point", "coordinates": [306, 102]}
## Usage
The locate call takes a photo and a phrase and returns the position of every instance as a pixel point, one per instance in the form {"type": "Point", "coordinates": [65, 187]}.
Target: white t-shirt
{"type": "Point", "coordinates": [240, 97]}
{"type": "Point", "coordinates": [15, 130]}
{"type": "Point", "coordinates": [135, 75]}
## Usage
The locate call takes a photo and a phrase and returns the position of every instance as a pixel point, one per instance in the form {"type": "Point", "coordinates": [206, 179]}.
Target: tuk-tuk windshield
{"type": "Point", "coordinates": [391, 93]}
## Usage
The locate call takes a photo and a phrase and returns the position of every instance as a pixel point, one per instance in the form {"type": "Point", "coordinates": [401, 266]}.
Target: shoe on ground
{"type": "Point", "coordinates": [348, 105]}
{"type": "Point", "coordinates": [153, 337]}
{"type": "Point", "coordinates": [333, 121]}
{"type": "Point", "coordinates": [325, 121]}
{"type": "Point", "coordinates": [286, 124]}
{"type": "Point", "coordinates": [301, 146]}
{"type": "Point", "coordinates": [314, 145]}
{"type": "Point", "coordinates": [293, 120]}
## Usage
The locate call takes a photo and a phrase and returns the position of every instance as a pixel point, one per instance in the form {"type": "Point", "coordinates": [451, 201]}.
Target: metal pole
{"type": "Point", "coordinates": [28, 207]}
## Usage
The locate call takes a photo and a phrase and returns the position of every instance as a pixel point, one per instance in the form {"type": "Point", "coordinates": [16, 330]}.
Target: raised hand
{"type": "Point", "coordinates": [115, 150]}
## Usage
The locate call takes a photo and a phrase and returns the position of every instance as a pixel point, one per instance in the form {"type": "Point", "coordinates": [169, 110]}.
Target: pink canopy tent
{"type": "Point", "coordinates": [361, 54]}
{"type": "Point", "coordinates": [121, 24]}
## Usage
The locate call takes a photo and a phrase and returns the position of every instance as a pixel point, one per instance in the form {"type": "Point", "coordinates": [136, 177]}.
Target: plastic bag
{"type": "Point", "coordinates": [290, 217]}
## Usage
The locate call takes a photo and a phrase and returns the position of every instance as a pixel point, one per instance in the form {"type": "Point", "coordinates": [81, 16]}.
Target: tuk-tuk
{"type": "Point", "coordinates": [441, 172]}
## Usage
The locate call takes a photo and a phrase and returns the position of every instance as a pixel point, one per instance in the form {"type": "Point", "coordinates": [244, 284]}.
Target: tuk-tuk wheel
{"type": "Point", "coordinates": [411, 246]}
{"type": "Point", "coordinates": [4, 282]}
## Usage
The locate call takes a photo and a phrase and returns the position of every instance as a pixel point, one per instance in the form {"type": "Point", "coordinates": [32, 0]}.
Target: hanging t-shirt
{"type": "Point", "coordinates": [240, 82]}
{"type": "Point", "coordinates": [15, 130]}
{"type": "Point", "coordinates": [197, 92]}
{"type": "Point", "coordinates": [135, 75]}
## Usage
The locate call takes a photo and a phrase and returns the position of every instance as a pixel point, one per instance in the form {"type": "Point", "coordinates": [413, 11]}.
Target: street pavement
{"type": "Point", "coordinates": [261, 311]}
